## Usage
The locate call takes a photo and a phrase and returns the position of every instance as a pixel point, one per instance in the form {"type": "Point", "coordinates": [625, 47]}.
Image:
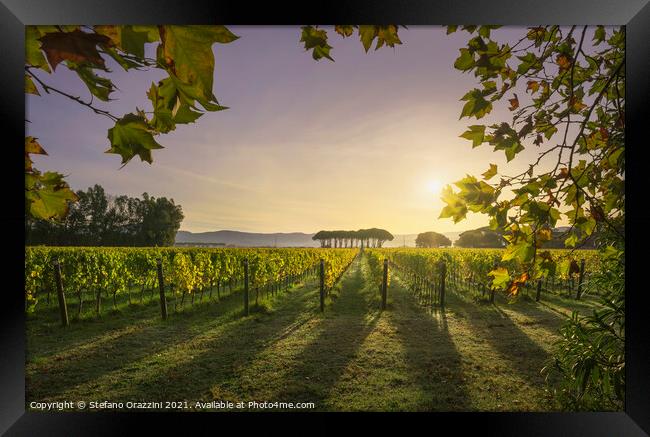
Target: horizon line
{"type": "Point", "coordinates": [306, 233]}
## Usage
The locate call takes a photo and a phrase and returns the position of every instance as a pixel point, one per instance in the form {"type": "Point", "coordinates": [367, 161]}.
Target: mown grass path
{"type": "Point", "coordinates": [353, 357]}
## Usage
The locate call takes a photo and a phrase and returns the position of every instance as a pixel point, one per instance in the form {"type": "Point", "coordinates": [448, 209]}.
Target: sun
{"type": "Point", "coordinates": [434, 186]}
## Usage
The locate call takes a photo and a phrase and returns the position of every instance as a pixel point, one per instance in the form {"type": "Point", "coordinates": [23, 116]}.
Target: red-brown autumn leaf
{"type": "Point", "coordinates": [603, 133]}
{"type": "Point", "coordinates": [597, 213]}
{"type": "Point", "coordinates": [577, 104]}
{"type": "Point", "coordinates": [514, 103]}
{"type": "Point", "coordinates": [76, 46]}
{"type": "Point", "coordinates": [563, 61]}
{"type": "Point", "coordinates": [533, 86]}
{"type": "Point", "coordinates": [33, 146]}
{"type": "Point", "coordinates": [564, 173]}
{"type": "Point", "coordinates": [551, 198]}
{"type": "Point", "coordinates": [536, 32]}
{"type": "Point", "coordinates": [517, 283]}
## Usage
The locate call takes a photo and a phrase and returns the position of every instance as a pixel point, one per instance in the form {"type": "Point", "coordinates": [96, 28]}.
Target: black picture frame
{"type": "Point", "coordinates": [635, 14]}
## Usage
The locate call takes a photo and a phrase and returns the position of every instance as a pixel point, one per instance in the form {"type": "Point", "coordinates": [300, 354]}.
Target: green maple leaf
{"type": "Point", "coordinates": [476, 105]}
{"type": "Point", "coordinates": [30, 87]}
{"type": "Point", "coordinates": [477, 194]}
{"type": "Point", "coordinates": [456, 207]}
{"type": "Point", "coordinates": [465, 61]}
{"type": "Point", "coordinates": [98, 86]}
{"type": "Point", "coordinates": [490, 172]}
{"type": "Point", "coordinates": [33, 146]}
{"type": "Point", "coordinates": [367, 34]}
{"type": "Point", "coordinates": [501, 278]}
{"type": "Point", "coordinates": [344, 30]}
{"type": "Point", "coordinates": [316, 40]}
{"type": "Point", "coordinates": [169, 107]}
{"type": "Point", "coordinates": [132, 136]}
{"type": "Point", "coordinates": [133, 41]}
{"type": "Point", "coordinates": [186, 52]}
{"type": "Point", "coordinates": [33, 54]}
{"type": "Point", "coordinates": [152, 31]}
{"type": "Point", "coordinates": [599, 35]}
{"type": "Point", "coordinates": [527, 62]}
{"type": "Point", "coordinates": [48, 196]}
{"type": "Point", "coordinates": [572, 240]}
{"type": "Point", "coordinates": [129, 39]}
{"type": "Point", "coordinates": [475, 134]}
{"type": "Point", "coordinates": [385, 35]}
{"type": "Point", "coordinates": [522, 251]}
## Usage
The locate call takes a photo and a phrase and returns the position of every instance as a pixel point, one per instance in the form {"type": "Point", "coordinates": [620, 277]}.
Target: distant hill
{"type": "Point", "coordinates": [279, 239]}
{"type": "Point", "coordinates": [300, 239]}
{"type": "Point", "coordinates": [248, 239]}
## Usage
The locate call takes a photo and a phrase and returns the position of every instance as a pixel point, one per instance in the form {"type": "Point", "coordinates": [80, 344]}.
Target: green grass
{"type": "Point", "coordinates": [473, 356]}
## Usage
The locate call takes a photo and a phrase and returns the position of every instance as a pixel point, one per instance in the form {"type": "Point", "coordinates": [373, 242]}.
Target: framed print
{"type": "Point", "coordinates": [263, 211]}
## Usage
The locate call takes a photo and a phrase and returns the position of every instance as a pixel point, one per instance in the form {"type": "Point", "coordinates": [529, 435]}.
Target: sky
{"type": "Point", "coordinates": [366, 141]}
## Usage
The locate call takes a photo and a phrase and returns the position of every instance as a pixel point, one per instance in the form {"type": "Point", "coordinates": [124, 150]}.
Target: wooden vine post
{"type": "Point", "coordinates": [384, 285]}
{"type": "Point", "coordinates": [61, 295]}
{"type": "Point", "coordinates": [246, 301]}
{"type": "Point", "coordinates": [581, 278]}
{"type": "Point", "coordinates": [492, 290]}
{"type": "Point", "coordinates": [161, 287]}
{"type": "Point", "coordinates": [539, 290]}
{"type": "Point", "coordinates": [443, 273]}
{"type": "Point", "coordinates": [322, 285]}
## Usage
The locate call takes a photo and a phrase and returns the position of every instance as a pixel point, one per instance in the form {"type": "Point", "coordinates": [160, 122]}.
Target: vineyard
{"type": "Point", "coordinates": [398, 329]}
{"type": "Point", "coordinates": [470, 271]}
{"type": "Point", "coordinates": [97, 274]}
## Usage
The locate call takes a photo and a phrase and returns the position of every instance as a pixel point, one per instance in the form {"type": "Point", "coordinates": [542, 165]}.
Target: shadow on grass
{"type": "Point", "coordinates": [495, 326]}
{"type": "Point", "coordinates": [197, 369]}
{"type": "Point", "coordinates": [432, 357]}
{"type": "Point", "coordinates": [341, 331]}
{"type": "Point", "coordinates": [50, 339]}
{"type": "Point", "coordinates": [116, 343]}
{"type": "Point", "coordinates": [549, 313]}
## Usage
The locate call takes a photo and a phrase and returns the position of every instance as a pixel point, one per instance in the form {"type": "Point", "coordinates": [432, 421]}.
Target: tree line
{"type": "Point", "coordinates": [100, 219]}
{"type": "Point", "coordinates": [432, 239]}
{"type": "Point", "coordinates": [488, 238]}
{"type": "Point", "coordinates": [373, 237]}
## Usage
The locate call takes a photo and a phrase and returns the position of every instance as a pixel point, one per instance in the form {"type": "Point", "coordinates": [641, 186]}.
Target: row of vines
{"type": "Point", "coordinates": [188, 272]}
{"type": "Point", "coordinates": [481, 271]}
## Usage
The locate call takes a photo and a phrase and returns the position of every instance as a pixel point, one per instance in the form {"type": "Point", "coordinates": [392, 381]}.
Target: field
{"type": "Point", "coordinates": [475, 355]}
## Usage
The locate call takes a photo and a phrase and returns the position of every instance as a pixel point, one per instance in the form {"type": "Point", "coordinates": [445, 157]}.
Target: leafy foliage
{"type": "Point", "coordinates": [183, 52]}
{"type": "Point", "coordinates": [185, 270]}
{"type": "Point", "coordinates": [132, 136]}
{"type": "Point", "coordinates": [98, 219]}
{"type": "Point", "coordinates": [363, 237]}
{"type": "Point", "coordinates": [315, 39]}
{"type": "Point", "coordinates": [590, 357]}
{"type": "Point", "coordinates": [47, 195]}
{"type": "Point", "coordinates": [480, 238]}
{"type": "Point", "coordinates": [566, 95]}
